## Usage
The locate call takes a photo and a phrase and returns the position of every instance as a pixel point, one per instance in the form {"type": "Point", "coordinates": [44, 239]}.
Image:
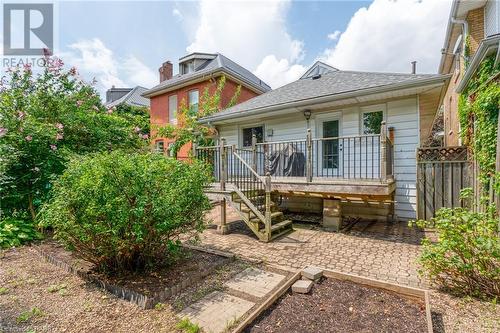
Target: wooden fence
{"type": "Point", "coordinates": [441, 173]}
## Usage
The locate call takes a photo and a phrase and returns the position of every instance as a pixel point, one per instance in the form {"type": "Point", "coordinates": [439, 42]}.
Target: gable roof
{"type": "Point", "coordinates": [320, 68]}
{"type": "Point", "coordinates": [219, 63]}
{"type": "Point", "coordinates": [133, 98]}
{"type": "Point", "coordinates": [332, 85]}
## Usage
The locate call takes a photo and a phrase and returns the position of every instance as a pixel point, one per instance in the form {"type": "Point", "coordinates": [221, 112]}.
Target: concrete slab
{"type": "Point", "coordinates": [255, 282]}
{"type": "Point", "coordinates": [302, 286]}
{"type": "Point", "coordinates": [216, 311]}
{"type": "Point", "coordinates": [312, 273]}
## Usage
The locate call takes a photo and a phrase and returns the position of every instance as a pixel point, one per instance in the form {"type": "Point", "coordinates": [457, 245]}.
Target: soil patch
{"type": "Point", "coordinates": [192, 263]}
{"type": "Point", "coordinates": [342, 306]}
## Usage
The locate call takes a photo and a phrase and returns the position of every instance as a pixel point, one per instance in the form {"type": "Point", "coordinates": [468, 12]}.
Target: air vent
{"type": "Point", "coordinates": [317, 76]}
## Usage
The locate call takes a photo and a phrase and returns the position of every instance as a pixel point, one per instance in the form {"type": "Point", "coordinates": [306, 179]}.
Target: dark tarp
{"type": "Point", "coordinates": [287, 162]}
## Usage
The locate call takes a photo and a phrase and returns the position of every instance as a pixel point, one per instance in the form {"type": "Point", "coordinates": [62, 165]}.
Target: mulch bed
{"type": "Point", "coordinates": [192, 263]}
{"type": "Point", "coordinates": [342, 306]}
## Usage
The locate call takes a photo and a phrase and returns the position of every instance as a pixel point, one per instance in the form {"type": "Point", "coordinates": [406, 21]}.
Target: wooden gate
{"type": "Point", "coordinates": [441, 173]}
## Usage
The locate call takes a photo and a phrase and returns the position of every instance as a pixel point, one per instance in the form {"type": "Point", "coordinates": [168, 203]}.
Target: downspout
{"type": "Point", "coordinates": [465, 32]}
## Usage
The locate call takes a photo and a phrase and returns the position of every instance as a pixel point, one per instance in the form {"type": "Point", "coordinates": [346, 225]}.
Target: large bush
{"type": "Point", "coordinates": [466, 256]}
{"type": "Point", "coordinates": [125, 211]}
{"type": "Point", "coordinates": [44, 119]}
{"type": "Point", "coordinates": [15, 231]}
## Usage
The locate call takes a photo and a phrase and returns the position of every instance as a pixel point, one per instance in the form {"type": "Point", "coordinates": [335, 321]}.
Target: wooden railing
{"type": "Point", "coordinates": [364, 157]}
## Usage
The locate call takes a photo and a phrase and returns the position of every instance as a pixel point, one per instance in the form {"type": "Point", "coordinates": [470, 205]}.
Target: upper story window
{"type": "Point", "coordinates": [172, 109]}
{"type": "Point", "coordinates": [187, 67]}
{"type": "Point", "coordinates": [249, 132]}
{"type": "Point", "coordinates": [372, 122]}
{"type": "Point", "coordinates": [193, 100]}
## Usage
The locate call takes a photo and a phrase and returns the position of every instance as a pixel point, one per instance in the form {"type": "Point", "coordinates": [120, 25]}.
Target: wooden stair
{"type": "Point", "coordinates": [279, 226]}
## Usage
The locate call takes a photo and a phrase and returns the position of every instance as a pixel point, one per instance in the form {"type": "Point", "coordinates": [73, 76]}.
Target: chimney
{"type": "Point", "coordinates": [414, 67]}
{"type": "Point", "coordinates": [166, 71]}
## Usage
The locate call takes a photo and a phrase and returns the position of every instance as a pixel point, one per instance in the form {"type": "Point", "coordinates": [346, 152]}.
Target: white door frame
{"type": "Point", "coordinates": [319, 120]}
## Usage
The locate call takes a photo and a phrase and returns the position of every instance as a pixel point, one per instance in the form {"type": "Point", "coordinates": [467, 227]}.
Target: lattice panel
{"type": "Point", "coordinates": [442, 154]}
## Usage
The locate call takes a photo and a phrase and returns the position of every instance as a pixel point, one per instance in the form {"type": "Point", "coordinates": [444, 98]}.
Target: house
{"type": "Point", "coordinates": [197, 72]}
{"type": "Point", "coordinates": [335, 142]}
{"type": "Point", "coordinates": [477, 22]}
{"type": "Point", "coordinates": [128, 96]}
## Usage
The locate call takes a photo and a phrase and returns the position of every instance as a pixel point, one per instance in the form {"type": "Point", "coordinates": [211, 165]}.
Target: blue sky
{"type": "Point", "coordinates": [124, 42]}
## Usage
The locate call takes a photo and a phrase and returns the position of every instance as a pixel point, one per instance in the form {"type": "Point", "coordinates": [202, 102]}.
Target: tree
{"type": "Point", "coordinates": [188, 129]}
{"type": "Point", "coordinates": [45, 119]}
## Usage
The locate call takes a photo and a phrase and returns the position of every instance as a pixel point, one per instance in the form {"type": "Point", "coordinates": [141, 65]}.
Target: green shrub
{"type": "Point", "coordinates": [125, 211]}
{"type": "Point", "coordinates": [465, 258]}
{"type": "Point", "coordinates": [17, 231]}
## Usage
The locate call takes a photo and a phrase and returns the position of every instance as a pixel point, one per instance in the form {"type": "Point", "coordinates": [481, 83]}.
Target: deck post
{"type": "Point", "coordinates": [223, 163]}
{"type": "Point", "coordinates": [193, 150]}
{"type": "Point", "coordinates": [309, 156]}
{"type": "Point", "coordinates": [383, 151]}
{"type": "Point", "coordinates": [254, 153]}
{"type": "Point", "coordinates": [268, 206]}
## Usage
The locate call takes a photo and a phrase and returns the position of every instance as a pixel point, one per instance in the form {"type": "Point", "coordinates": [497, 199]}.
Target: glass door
{"type": "Point", "coordinates": [330, 149]}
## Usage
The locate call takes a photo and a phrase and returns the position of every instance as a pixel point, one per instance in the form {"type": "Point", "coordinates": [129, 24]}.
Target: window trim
{"type": "Point", "coordinates": [189, 99]}
{"type": "Point", "coordinates": [252, 126]}
{"type": "Point", "coordinates": [173, 120]}
{"type": "Point", "coordinates": [370, 109]}
{"type": "Point", "coordinates": [157, 142]}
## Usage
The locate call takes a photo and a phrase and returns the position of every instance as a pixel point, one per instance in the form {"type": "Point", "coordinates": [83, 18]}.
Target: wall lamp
{"type": "Point", "coordinates": [307, 114]}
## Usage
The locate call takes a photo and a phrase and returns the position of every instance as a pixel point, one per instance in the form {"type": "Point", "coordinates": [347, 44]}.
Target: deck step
{"type": "Point", "coordinates": [274, 216]}
{"type": "Point", "coordinates": [284, 230]}
{"type": "Point", "coordinates": [245, 209]}
{"type": "Point", "coordinates": [280, 225]}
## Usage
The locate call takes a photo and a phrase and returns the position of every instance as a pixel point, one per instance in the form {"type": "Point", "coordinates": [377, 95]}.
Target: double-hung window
{"type": "Point", "coordinates": [172, 109]}
{"type": "Point", "coordinates": [249, 132]}
{"type": "Point", "coordinates": [193, 100]}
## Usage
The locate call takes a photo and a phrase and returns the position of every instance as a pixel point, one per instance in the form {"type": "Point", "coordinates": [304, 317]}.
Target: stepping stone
{"type": "Point", "coordinates": [302, 286]}
{"type": "Point", "coordinates": [312, 273]}
{"type": "Point", "coordinates": [216, 311]}
{"type": "Point", "coordinates": [255, 282]}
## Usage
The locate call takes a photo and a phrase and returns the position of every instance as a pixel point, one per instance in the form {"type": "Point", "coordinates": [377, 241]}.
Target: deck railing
{"type": "Point", "coordinates": [363, 157]}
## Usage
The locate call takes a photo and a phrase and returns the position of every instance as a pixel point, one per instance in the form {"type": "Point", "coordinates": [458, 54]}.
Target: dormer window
{"type": "Point", "coordinates": [187, 67]}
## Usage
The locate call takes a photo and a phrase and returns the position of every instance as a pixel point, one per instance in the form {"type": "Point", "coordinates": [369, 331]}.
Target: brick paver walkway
{"type": "Point", "coordinates": [382, 251]}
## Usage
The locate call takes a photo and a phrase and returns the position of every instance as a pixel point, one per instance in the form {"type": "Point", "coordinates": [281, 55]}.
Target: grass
{"type": "Point", "coordinates": [27, 315]}
{"type": "Point", "coordinates": [3, 290]}
{"type": "Point", "coordinates": [56, 288]}
{"type": "Point", "coordinates": [187, 326]}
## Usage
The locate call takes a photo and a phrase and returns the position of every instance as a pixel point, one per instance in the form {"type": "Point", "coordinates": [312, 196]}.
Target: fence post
{"type": "Point", "coordinates": [268, 206]}
{"type": "Point", "coordinates": [193, 147]}
{"type": "Point", "coordinates": [223, 163]}
{"type": "Point", "coordinates": [309, 156]}
{"type": "Point", "coordinates": [383, 151]}
{"type": "Point", "coordinates": [254, 154]}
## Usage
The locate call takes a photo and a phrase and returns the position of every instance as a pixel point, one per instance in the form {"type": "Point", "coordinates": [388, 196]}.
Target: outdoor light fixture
{"type": "Point", "coordinates": [307, 114]}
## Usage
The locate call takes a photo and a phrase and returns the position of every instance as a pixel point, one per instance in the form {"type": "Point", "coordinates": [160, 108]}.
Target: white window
{"type": "Point", "coordinates": [372, 122]}
{"type": "Point", "coordinates": [193, 100]}
{"type": "Point", "coordinates": [170, 151]}
{"type": "Point", "coordinates": [159, 146]}
{"type": "Point", "coordinates": [249, 132]}
{"type": "Point", "coordinates": [187, 67]}
{"type": "Point", "coordinates": [172, 109]}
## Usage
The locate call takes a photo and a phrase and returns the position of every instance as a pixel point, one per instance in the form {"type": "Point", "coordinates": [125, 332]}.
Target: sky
{"type": "Point", "coordinates": [123, 43]}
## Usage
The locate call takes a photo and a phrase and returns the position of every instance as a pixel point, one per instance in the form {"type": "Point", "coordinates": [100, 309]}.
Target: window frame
{"type": "Point", "coordinates": [157, 148]}
{"type": "Point", "coordinates": [197, 102]}
{"type": "Point", "coordinates": [371, 109]}
{"type": "Point", "coordinates": [173, 120]}
{"type": "Point", "coordinates": [243, 128]}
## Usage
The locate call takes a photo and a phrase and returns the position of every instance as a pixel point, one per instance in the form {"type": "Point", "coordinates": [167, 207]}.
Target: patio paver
{"type": "Point", "coordinates": [382, 251]}
{"type": "Point", "coordinates": [255, 281]}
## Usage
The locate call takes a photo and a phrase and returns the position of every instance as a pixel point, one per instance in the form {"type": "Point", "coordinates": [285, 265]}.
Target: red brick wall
{"type": "Point", "coordinates": [159, 104]}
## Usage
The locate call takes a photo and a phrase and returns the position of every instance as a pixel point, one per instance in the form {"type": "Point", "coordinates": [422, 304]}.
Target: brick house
{"type": "Point", "coordinates": [479, 22]}
{"type": "Point", "coordinates": [197, 71]}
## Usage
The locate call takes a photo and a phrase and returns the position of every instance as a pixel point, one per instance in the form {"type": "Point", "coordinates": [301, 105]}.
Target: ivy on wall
{"type": "Point", "coordinates": [478, 110]}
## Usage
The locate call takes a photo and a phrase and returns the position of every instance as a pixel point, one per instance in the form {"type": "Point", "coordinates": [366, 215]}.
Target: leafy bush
{"type": "Point", "coordinates": [466, 256]}
{"type": "Point", "coordinates": [125, 211]}
{"type": "Point", "coordinates": [44, 119]}
{"type": "Point", "coordinates": [16, 231]}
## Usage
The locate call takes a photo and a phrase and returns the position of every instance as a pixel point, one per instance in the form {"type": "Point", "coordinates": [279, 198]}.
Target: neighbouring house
{"type": "Point", "coordinates": [128, 96]}
{"type": "Point", "coordinates": [473, 33]}
{"type": "Point", "coordinates": [197, 72]}
{"type": "Point", "coordinates": [337, 143]}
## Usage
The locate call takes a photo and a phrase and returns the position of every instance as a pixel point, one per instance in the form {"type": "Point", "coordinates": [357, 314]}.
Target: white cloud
{"type": "Point", "coordinates": [177, 13]}
{"type": "Point", "coordinates": [96, 60]}
{"type": "Point", "coordinates": [334, 35]}
{"type": "Point", "coordinates": [278, 71]}
{"type": "Point", "coordinates": [256, 37]}
{"type": "Point", "coordinates": [388, 35]}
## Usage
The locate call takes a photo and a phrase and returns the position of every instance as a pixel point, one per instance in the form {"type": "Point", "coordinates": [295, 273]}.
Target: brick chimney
{"type": "Point", "coordinates": [166, 71]}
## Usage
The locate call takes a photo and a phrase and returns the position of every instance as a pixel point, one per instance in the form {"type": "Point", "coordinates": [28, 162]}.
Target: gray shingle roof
{"type": "Point", "coordinates": [329, 84]}
{"type": "Point", "coordinates": [133, 98]}
{"type": "Point", "coordinates": [220, 62]}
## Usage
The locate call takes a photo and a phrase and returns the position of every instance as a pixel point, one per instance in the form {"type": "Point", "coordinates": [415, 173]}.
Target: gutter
{"type": "Point", "coordinates": [324, 99]}
{"type": "Point", "coordinates": [453, 13]}
{"type": "Point", "coordinates": [485, 46]}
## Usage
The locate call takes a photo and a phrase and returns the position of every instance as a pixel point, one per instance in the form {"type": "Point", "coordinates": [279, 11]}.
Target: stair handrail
{"type": "Point", "coordinates": [267, 186]}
